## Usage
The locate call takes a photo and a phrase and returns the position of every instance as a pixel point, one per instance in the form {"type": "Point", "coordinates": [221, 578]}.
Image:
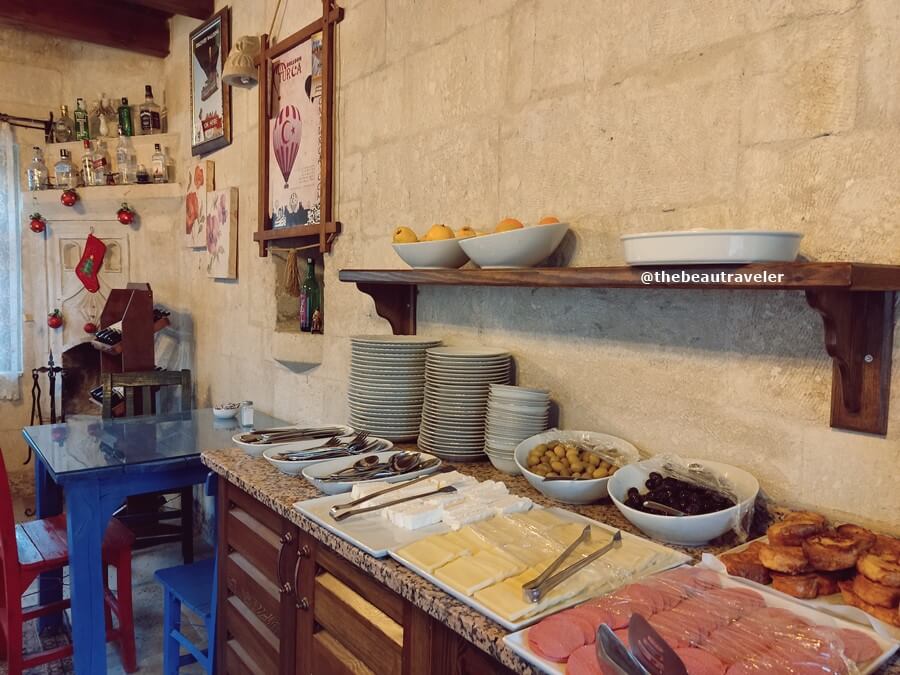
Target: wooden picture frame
{"type": "Point", "coordinates": [296, 83]}
{"type": "Point", "coordinates": [209, 46]}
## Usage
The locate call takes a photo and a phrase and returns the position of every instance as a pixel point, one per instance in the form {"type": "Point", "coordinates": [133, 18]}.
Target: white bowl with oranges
{"type": "Point", "coordinates": [438, 249]}
{"type": "Point", "coordinates": [514, 245]}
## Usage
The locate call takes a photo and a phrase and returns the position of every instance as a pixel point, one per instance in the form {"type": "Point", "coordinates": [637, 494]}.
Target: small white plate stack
{"type": "Point", "coordinates": [457, 382]}
{"type": "Point", "coordinates": [387, 382]}
{"type": "Point", "coordinates": [513, 414]}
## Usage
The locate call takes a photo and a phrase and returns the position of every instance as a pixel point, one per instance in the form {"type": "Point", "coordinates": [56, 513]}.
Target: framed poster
{"type": "Point", "coordinates": [294, 143]}
{"type": "Point", "coordinates": [210, 98]}
{"type": "Point", "coordinates": [221, 233]}
{"type": "Point", "coordinates": [201, 178]}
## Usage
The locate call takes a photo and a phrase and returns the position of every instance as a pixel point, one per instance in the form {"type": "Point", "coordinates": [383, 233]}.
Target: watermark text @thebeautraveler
{"type": "Point", "coordinates": [710, 277]}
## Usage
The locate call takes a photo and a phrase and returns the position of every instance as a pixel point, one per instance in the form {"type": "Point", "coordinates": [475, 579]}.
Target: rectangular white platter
{"type": "Point", "coordinates": [677, 559]}
{"type": "Point", "coordinates": [830, 604]}
{"type": "Point", "coordinates": [518, 641]}
{"type": "Point", "coordinates": [371, 532]}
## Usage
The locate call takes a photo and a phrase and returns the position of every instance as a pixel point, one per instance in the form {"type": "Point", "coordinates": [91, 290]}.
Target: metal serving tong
{"type": "Point", "coordinates": [337, 508]}
{"type": "Point", "coordinates": [535, 589]}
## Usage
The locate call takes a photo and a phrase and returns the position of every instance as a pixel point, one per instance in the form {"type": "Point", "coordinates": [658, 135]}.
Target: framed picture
{"type": "Point", "coordinates": [294, 139]}
{"type": "Point", "coordinates": [210, 98]}
{"type": "Point", "coordinates": [221, 233]}
{"type": "Point", "coordinates": [201, 178]}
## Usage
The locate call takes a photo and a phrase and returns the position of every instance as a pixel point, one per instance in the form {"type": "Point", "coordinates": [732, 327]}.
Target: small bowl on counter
{"type": "Point", "coordinates": [684, 530]}
{"type": "Point", "coordinates": [524, 247]}
{"type": "Point", "coordinates": [226, 411]}
{"type": "Point", "coordinates": [575, 491]}
{"type": "Point", "coordinates": [438, 254]}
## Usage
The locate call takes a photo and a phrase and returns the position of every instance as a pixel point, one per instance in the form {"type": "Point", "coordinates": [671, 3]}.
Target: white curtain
{"type": "Point", "coordinates": [10, 268]}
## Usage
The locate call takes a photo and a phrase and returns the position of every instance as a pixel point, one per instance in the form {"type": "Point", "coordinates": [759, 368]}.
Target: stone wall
{"type": "Point", "coordinates": [617, 117]}
{"type": "Point", "coordinates": [39, 73]}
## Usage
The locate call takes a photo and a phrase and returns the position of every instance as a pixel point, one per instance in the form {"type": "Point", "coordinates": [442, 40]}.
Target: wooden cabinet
{"type": "Point", "coordinates": [288, 605]}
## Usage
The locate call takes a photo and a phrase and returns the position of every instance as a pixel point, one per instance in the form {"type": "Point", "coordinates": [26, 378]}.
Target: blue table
{"type": "Point", "coordinates": [94, 464]}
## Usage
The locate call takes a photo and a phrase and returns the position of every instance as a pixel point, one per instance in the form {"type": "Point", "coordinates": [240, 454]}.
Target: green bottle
{"type": "Point", "coordinates": [310, 304]}
{"type": "Point", "coordinates": [82, 127]}
{"type": "Point", "coordinates": [125, 121]}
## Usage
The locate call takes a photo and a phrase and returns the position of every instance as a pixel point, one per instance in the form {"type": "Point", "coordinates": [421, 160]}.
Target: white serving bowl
{"type": "Point", "coordinates": [683, 530]}
{"type": "Point", "coordinates": [525, 247]}
{"type": "Point", "coordinates": [584, 491]}
{"type": "Point", "coordinates": [223, 413]}
{"type": "Point", "coordinates": [696, 247]}
{"type": "Point", "coordinates": [503, 463]}
{"type": "Point", "coordinates": [315, 472]}
{"type": "Point", "coordinates": [255, 450]}
{"type": "Point", "coordinates": [440, 254]}
{"type": "Point", "coordinates": [295, 468]}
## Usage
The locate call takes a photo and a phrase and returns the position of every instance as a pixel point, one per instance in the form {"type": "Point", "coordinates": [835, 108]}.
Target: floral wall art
{"type": "Point", "coordinates": [221, 233]}
{"type": "Point", "coordinates": [201, 177]}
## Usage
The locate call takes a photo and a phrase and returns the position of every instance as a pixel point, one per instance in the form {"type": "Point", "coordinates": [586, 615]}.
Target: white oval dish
{"type": "Point", "coordinates": [525, 247]}
{"type": "Point", "coordinates": [316, 471]}
{"type": "Point", "coordinates": [294, 468]}
{"type": "Point", "coordinates": [706, 247]}
{"type": "Point", "coordinates": [257, 450]}
{"type": "Point", "coordinates": [440, 254]}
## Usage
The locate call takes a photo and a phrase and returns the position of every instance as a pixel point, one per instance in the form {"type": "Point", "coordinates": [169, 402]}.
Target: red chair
{"type": "Point", "coordinates": [31, 548]}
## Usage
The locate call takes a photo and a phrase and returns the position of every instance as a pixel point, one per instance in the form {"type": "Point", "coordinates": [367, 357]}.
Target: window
{"type": "Point", "coordinates": [10, 268]}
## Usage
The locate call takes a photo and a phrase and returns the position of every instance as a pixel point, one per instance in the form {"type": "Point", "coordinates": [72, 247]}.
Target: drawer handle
{"type": "Point", "coordinates": [303, 603]}
{"type": "Point", "coordinates": [285, 539]}
{"type": "Point", "coordinates": [304, 552]}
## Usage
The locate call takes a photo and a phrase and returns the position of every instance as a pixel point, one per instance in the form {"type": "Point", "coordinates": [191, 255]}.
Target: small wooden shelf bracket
{"type": "Point", "coordinates": [395, 303]}
{"type": "Point", "coordinates": [859, 337]}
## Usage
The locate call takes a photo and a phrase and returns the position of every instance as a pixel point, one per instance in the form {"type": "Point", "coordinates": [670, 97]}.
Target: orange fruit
{"type": "Point", "coordinates": [548, 220]}
{"type": "Point", "coordinates": [508, 224]}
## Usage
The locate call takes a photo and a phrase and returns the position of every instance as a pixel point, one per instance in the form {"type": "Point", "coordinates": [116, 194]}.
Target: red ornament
{"type": "Point", "coordinates": [68, 197]}
{"type": "Point", "coordinates": [90, 327]}
{"type": "Point", "coordinates": [55, 319]}
{"type": "Point", "coordinates": [125, 214]}
{"type": "Point", "coordinates": [37, 224]}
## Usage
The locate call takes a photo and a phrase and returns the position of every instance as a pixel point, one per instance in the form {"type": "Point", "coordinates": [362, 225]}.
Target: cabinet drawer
{"type": "Point", "coordinates": [257, 641]}
{"type": "Point", "coordinates": [330, 657]}
{"type": "Point", "coordinates": [254, 541]}
{"type": "Point", "coordinates": [360, 627]}
{"type": "Point", "coordinates": [254, 589]}
{"type": "Point", "coordinates": [379, 595]}
{"type": "Point", "coordinates": [237, 660]}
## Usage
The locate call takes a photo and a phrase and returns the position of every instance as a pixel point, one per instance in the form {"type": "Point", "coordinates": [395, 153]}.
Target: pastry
{"type": "Point", "coordinates": [829, 552]}
{"type": "Point", "coordinates": [875, 593]}
{"type": "Point", "coordinates": [879, 569]}
{"type": "Point", "coordinates": [746, 564]}
{"type": "Point", "coordinates": [785, 559]}
{"type": "Point", "coordinates": [866, 538]}
{"type": "Point", "coordinates": [804, 586]}
{"type": "Point", "coordinates": [887, 547]}
{"type": "Point", "coordinates": [891, 616]}
{"type": "Point", "coordinates": [796, 527]}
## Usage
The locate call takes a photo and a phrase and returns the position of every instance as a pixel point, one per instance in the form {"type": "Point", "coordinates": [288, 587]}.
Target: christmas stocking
{"type": "Point", "coordinates": [88, 267]}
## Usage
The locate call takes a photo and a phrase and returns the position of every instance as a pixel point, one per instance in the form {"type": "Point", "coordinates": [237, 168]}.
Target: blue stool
{"type": "Point", "coordinates": [192, 586]}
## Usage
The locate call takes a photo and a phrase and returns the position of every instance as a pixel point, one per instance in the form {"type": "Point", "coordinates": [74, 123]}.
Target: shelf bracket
{"type": "Point", "coordinates": [859, 332]}
{"type": "Point", "coordinates": [394, 302]}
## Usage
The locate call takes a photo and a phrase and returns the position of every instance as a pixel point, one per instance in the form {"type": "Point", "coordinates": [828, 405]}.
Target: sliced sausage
{"type": "Point", "coordinates": [858, 646]}
{"type": "Point", "coordinates": [584, 661]}
{"type": "Point", "coordinates": [698, 662]}
{"type": "Point", "coordinates": [555, 639]}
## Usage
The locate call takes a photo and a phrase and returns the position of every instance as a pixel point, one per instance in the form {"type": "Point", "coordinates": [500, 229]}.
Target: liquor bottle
{"type": "Point", "coordinates": [158, 165]}
{"type": "Point", "coordinates": [101, 162]}
{"type": "Point", "coordinates": [63, 126]}
{"type": "Point", "coordinates": [126, 162]}
{"type": "Point", "coordinates": [87, 164]}
{"type": "Point", "coordinates": [309, 298]}
{"type": "Point", "coordinates": [37, 174]}
{"type": "Point", "coordinates": [126, 125]}
{"type": "Point", "coordinates": [149, 113]}
{"type": "Point", "coordinates": [82, 125]}
{"type": "Point", "coordinates": [64, 170]}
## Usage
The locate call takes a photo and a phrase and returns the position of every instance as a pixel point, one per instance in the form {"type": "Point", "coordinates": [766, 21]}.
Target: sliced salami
{"type": "Point", "coordinates": [584, 661]}
{"type": "Point", "coordinates": [555, 639]}
{"type": "Point", "coordinates": [858, 646]}
{"type": "Point", "coordinates": [698, 662]}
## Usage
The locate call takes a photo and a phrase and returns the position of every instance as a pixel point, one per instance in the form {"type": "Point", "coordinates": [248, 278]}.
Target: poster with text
{"type": "Point", "coordinates": [295, 141]}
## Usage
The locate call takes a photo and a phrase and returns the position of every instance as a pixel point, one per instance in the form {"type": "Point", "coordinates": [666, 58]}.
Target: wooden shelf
{"type": "Point", "coordinates": [110, 193]}
{"type": "Point", "coordinates": [856, 301]}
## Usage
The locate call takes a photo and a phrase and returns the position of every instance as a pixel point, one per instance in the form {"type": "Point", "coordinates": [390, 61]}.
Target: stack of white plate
{"type": "Point", "coordinates": [513, 414]}
{"type": "Point", "coordinates": [457, 381]}
{"type": "Point", "coordinates": [387, 382]}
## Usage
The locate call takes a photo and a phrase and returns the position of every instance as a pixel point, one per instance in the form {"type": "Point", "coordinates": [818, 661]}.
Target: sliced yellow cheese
{"type": "Point", "coordinates": [465, 575]}
{"type": "Point", "coordinates": [431, 552]}
{"type": "Point", "coordinates": [541, 519]}
{"type": "Point", "coordinates": [501, 565]}
{"type": "Point", "coordinates": [465, 539]}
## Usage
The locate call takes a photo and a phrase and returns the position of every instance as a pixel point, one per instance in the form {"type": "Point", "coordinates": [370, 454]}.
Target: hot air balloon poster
{"type": "Point", "coordinates": [210, 98]}
{"type": "Point", "coordinates": [295, 169]}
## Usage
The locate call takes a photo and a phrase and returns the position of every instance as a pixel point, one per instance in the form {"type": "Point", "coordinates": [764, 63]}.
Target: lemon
{"type": "Point", "coordinates": [438, 232]}
{"type": "Point", "coordinates": [508, 224]}
{"type": "Point", "coordinates": [404, 235]}
{"type": "Point", "coordinates": [466, 232]}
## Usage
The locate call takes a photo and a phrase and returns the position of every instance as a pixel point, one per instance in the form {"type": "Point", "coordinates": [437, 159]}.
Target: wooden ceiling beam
{"type": "Point", "coordinates": [198, 9]}
{"type": "Point", "coordinates": [113, 24]}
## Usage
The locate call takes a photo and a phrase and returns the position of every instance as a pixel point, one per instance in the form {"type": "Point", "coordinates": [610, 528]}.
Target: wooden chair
{"type": "Point", "coordinates": [192, 586]}
{"type": "Point", "coordinates": [146, 514]}
{"type": "Point", "coordinates": [31, 548]}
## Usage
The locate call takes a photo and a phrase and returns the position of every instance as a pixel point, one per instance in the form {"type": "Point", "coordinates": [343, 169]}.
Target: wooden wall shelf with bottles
{"type": "Point", "coordinates": [110, 193]}
{"type": "Point", "coordinates": [855, 300]}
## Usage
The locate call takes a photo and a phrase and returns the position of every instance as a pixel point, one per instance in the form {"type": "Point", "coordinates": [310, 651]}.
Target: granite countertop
{"type": "Point", "coordinates": [279, 492]}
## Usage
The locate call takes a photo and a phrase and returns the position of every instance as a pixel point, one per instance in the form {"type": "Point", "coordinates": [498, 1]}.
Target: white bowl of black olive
{"type": "Point", "coordinates": [653, 501]}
